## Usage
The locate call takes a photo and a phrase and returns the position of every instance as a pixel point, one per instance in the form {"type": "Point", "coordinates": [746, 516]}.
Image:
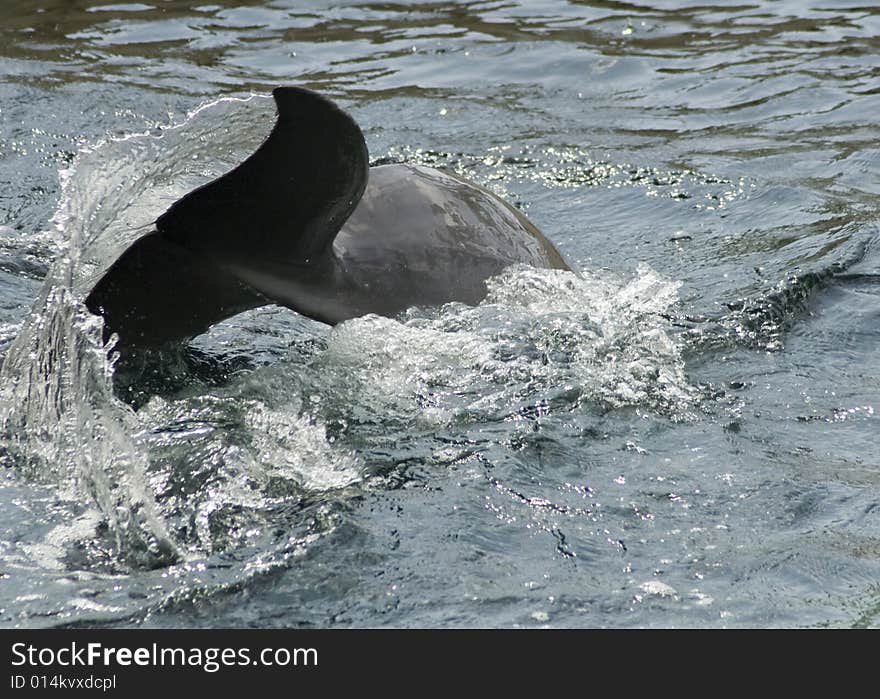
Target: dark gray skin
{"type": "Point", "coordinates": [305, 223]}
{"type": "Point", "coordinates": [418, 237]}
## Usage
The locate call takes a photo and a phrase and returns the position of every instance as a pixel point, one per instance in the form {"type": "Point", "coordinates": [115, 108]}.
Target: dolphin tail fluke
{"type": "Point", "coordinates": [159, 292]}
{"type": "Point", "coordinates": [289, 199]}
{"type": "Point", "coordinates": [283, 205]}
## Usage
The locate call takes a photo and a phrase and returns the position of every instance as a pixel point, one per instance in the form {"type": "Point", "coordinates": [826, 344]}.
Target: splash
{"type": "Point", "coordinates": [59, 420]}
{"type": "Point", "coordinates": [543, 339]}
{"type": "Point", "coordinates": [214, 481]}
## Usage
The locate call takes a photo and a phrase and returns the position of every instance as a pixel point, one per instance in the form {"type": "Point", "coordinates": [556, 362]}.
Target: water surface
{"type": "Point", "coordinates": [683, 436]}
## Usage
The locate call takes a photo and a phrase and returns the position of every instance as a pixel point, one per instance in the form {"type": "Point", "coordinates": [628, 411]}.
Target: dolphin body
{"type": "Point", "coordinates": [305, 223]}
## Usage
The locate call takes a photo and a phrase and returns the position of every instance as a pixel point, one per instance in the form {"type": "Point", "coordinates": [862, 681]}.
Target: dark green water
{"type": "Point", "coordinates": [687, 436]}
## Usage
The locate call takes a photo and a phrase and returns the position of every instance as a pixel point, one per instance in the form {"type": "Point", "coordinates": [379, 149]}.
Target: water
{"type": "Point", "coordinates": [683, 436]}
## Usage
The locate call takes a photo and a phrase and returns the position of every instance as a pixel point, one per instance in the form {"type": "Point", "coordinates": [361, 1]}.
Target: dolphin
{"type": "Point", "coordinates": [305, 222]}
